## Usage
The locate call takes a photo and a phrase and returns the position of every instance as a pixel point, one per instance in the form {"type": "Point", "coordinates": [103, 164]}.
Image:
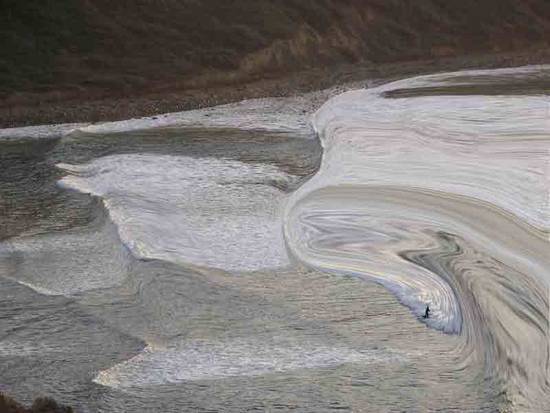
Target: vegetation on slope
{"type": "Point", "coordinates": [124, 46]}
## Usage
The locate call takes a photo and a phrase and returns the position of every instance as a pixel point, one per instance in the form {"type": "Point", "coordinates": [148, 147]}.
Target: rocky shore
{"type": "Point", "coordinates": [40, 405]}
{"type": "Point", "coordinates": [43, 109]}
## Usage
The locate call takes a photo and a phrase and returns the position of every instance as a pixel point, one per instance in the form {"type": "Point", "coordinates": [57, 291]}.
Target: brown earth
{"type": "Point", "coordinates": [40, 405]}
{"type": "Point", "coordinates": [91, 60]}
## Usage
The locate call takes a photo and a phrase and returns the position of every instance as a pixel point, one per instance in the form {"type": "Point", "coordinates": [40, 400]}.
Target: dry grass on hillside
{"type": "Point", "coordinates": [105, 47]}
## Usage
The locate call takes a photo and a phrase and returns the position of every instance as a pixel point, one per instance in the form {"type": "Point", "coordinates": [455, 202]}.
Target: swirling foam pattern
{"type": "Point", "coordinates": [203, 360]}
{"type": "Point", "coordinates": [203, 211]}
{"type": "Point", "coordinates": [437, 188]}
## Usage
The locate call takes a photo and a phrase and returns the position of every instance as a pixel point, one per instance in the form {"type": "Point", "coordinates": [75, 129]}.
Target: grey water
{"type": "Point", "coordinates": [99, 310]}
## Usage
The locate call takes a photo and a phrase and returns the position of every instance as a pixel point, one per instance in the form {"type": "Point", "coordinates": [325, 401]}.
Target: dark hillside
{"type": "Point", "coordinates": [40, 405]}
{"type": "Point", "coordinates": [54, 50]}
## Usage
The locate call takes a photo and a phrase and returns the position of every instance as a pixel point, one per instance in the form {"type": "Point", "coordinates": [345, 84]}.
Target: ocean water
{"type": "Point", "coordinates": [265, 256]}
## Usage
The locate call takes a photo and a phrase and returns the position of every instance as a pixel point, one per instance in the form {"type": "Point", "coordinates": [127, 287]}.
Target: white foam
{"type": "Point", "coordinates": [269, 114]}
{"type": "Point", "coordinates": [207, 360]}
{"type": "Point", "coordinates": [489, 149]}
{"type": "Point", "coordinates": [40, 132]}
{"type": "Point", "coordinates": [277, 115]}
{"type": "Point", "coordinates": [207, 212]}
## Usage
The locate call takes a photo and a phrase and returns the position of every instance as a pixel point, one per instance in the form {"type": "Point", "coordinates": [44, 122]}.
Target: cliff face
{"type": "Point", "coordinates": [106, 47]}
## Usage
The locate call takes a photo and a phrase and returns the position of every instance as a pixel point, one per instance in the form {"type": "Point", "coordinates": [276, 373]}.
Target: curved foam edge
{"type": "Point", "coordinates": [204, 360]}
{"type": "Point", "coordinates": [279, 115]}
{"type": "Point", "coordinates": [99, 260]}
{"type": "Point", "coordinates": [40, 132]}
{"type": "Point", "coordinates": [205, 212]}
{"type": "Point", "coordinates": [486, 157]}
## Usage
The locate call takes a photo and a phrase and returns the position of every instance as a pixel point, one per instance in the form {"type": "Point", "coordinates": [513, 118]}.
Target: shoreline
{"type": "Point", "coordinates": [319, 96]}
{"type": "Point", "coordinates": [45, 110]}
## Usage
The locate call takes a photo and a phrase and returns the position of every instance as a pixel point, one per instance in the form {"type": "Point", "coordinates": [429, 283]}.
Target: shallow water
{"type": "Point", "coordinates": [222, 265]}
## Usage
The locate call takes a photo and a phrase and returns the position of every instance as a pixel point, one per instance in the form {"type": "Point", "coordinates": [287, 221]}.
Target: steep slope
{"type": "Point", "coordinates": [55, 50]}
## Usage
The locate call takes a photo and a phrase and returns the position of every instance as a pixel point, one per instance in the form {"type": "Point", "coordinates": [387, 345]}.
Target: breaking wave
{"type": "Point", "coordinates": [442, 198]}
{"type": "Point", "coordinates": [206, 212]}
{"type": "Point", "coordinates": [439, 195]}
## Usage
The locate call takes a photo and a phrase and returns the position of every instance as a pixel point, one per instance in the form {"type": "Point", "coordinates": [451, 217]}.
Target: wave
{"type": "Point", "coordinates": [206, 212]}
{"type": "Point", "coordinates": [437, 194]}
{"type": "Point", "coordinates": [442, 198]}
{"type": "Point", "coordinates": [206, 360]}
{"type": "Point", "coordinates": [288, 115]}
{"type": "Point", "coordinates": [282, 115]}
{"type": "Point", "coordinates": [67, 263]}
{"type": "Point", "coordinates": [39, 132]}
